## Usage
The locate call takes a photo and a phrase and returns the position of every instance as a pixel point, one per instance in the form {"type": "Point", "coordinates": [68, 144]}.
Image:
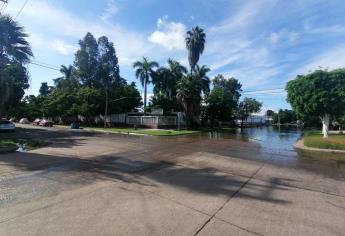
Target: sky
{"type": "Point", "coordinates": [262, 43]}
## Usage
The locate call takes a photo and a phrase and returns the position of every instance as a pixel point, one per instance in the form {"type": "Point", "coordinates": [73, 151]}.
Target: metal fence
{"type": "Point", "coordinates": [155, 121]}
{"type": "Point", "coordinates": [148, 121]}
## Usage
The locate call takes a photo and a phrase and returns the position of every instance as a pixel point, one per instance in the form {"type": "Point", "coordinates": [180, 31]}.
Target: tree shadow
{"type": "Point", "coordinates": [51, 174]}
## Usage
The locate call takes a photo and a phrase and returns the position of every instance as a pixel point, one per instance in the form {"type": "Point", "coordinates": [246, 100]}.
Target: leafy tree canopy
{"type": "Point", "coordinates": [318, 93]}
{"type": "Point", "coordinates": [247, 107]}
{"type": "Point", "coordinates": [222, 101]}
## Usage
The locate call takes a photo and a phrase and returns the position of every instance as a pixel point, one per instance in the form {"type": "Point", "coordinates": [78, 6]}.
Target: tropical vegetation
{"type": "Point", "coordinates": [15, 53]}
{"type": "Point", "coordinates": [318, 94]}
{"type": "Point", "coordinates": [93, 87]}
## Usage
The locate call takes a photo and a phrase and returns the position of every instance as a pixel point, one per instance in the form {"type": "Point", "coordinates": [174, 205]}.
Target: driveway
{"type": "Point", "coordinates": [106, 184]}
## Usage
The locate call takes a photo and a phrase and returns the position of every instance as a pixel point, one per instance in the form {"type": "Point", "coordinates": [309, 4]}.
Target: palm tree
{"type": "Point", "coordinates": [201, 72]}
{"type": "Point", "coordinates": [144, 71]}
{"type": "Point", "coordinates": [13, 44]}
{"type": "Point", "coordinates": [188, 93]}
{"type": "Point", "coordinates": [176, 68]}
{"type": "Point", "coordinates": [66, 71]}
{"type": "Point", "coordinates": [195, 44]}
{"type": "Point", "coordinates": [67, 81]}
{"type": "Point", "coordinates": [166, 78]}
{"type": "Point", "coordinates": [14, 50]}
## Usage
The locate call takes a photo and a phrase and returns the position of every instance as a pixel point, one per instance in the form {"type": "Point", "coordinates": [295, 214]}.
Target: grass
{"type": "Point", "coordinates": [11, 145]}
{"type": "Point", "coordinates": [7, 143]}
{"type": "Point", "coordinates": [152, 132]}
{"type": "Point", "coordinates": [311, 154]}
{"type": "Point", "coordinates": [315, 139]}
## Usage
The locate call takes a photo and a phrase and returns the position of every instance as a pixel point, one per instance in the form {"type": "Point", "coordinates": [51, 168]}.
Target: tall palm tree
{"type": "Point", "coordinates": [195, 44]}
{"type": "Point", "coordinates": [201, 73]}
{"type": "Point", "coordinates": [13, 44]}
{"type": "Point", "coordinates": [166, 78]}
{"type": "Point", "coordinates": [144, 71]}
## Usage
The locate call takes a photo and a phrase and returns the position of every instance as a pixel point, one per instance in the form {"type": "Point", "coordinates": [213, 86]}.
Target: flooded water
{"type": "Point", "coordinates": [267, 137]}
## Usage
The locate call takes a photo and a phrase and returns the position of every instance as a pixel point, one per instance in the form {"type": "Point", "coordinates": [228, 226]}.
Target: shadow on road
{"type": "Point", "coordinates": [75, 172]}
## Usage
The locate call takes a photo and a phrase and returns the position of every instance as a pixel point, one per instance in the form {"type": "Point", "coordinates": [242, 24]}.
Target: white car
{"type": "Point", "coordinates": [6, 125]}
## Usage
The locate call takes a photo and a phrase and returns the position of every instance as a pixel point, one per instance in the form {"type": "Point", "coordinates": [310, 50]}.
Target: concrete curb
{"type": "Point", "coordinates": [300, 145]}
{"type": "Point", "coordinates": [113, 132]}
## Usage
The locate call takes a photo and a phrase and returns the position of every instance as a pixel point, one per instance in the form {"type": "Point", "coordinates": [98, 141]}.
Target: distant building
{"type": "Point", "coordinates": [253, 120]}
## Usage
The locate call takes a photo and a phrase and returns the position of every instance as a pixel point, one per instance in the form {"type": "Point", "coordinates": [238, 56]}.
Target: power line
{"type": "Point", "coordinates": [48, 67]}
{"type": "Point", "coordinates": [267, 94]}
{"type": "Point", "coordinates": [43, 63]}
{"type": "Point", "coordinates": [264, 90]}
{"type": "Point", "coordinates": [21, 9]}
{"type": "Point", "coordinates": [3, 6]}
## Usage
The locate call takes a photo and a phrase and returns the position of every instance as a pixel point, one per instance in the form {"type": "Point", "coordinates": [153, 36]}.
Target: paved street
{"type": "Point", "coordinates": [106, 184]}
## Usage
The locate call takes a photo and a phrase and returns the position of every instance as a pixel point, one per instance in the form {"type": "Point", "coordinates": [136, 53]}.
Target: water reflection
{"type": "Point", "coordinates": [268, 137]}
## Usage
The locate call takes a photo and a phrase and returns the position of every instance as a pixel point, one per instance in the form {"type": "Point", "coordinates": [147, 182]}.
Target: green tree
{"type": "Point", "coordinates": [14, 48]}
{"type": "Point", "coordinates": [34, 107]}
{"type": "Point", "coordinates": [188, 93]}
{"type": "Point", "coordinates": [219, 105]}
{"type": "Point", "coordinates": [124, 98]}
{"type": "Point", "coordinates": [201, 73]}
{"type": "Point", "coordinates": [320, 93]}
{"type": "Point", "coordinates": [108, 69]}
{"type": "Point", "coordinates": [13, 82]}
{"type": "Point", "coordinates": [195, 44]}
{"type": "Point", "coordinates": [86, 61]}
{"type": "Point", "coordinates": [45, 90]}
{"type": "Point", "coordinates": [284, 116]}
{"type": "Point", "coordinates": [270, 113]}
{"type": "Point", "coordinates": [231, 85]}
{"type": "Point", "coordinates": [340, 122]}
{"type": "Point", "coordinates": [165, 80]}
{"type": "Point", "coordinates": [247, 107]}
{"type": "Point", "coordinates": [15, 52]}
{"type": "Point", "coordinates": [144, 71]}
{"type": "Point", "coordinates": [222, 101]}
{"type": "Point", "coordinates": [69, 78]}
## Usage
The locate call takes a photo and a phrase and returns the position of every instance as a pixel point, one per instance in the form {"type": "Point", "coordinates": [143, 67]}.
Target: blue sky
{"type": "Point", "coordinates": [262, 43]}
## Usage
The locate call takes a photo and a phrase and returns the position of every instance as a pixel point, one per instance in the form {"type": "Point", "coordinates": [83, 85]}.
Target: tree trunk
{"type": "Point", "coordinates": [145, 92]}
{"type": "Point", "coordinates": [106, 108]}
{"type": "Point", "coordinates": [325, 125]}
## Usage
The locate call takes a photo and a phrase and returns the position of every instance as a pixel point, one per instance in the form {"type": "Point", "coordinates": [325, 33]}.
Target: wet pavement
{"type": "Point", "coordinates": [88, 183]}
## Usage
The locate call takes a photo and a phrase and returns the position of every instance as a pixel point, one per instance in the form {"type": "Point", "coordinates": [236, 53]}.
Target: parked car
{"type": "Point", "coordinates": [46, 123]}
{"type": "Point", "coordinates": [6, 125]}
{"type": "Point", "coordinates": [36, 121]}
{"type": "Point", "coordinates": [24, 121]}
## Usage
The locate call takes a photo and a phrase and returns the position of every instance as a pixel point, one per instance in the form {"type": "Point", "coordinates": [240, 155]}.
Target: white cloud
{"type": "Point", "coordinates": [274, 37]}
{"type": "Point", "coordinates": [332, 59]}
{"type": "Point", "coordinates": [245, 15]}
{"type": "Point", "coordinates": [331, 29]}
{"type": "Point", "coordinates": [110, 10]}
{"type": "Point", "coordinates": [283, 35]}
{"type": "Point", "coordinates": [293, 36]}
{"type": "Point", "coordinates": [63, 47]}
{"type": "Point", "coordinates": [170, 35]}
{"type": "Point", "coordinates": [42, 18]}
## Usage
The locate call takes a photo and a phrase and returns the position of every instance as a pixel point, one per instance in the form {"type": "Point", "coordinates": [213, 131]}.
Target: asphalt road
{"type": "Point", "coordinates": [105, 184]}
